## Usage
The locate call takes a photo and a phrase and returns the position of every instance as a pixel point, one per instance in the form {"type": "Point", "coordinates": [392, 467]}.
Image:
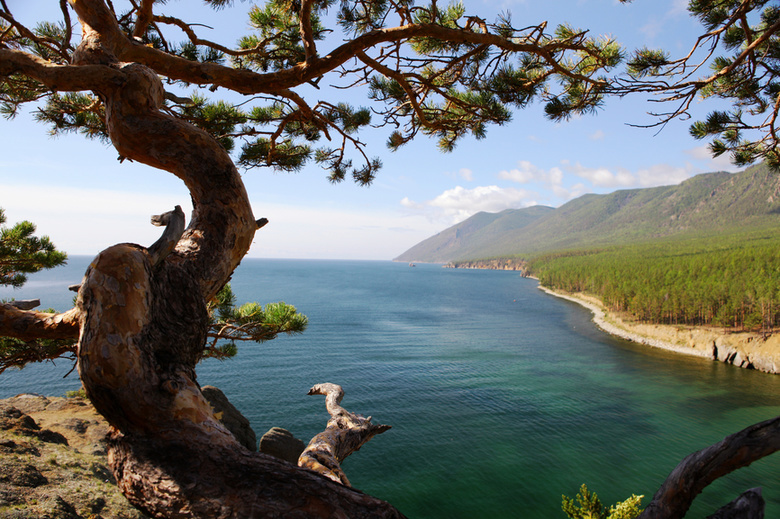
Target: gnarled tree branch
{"type": "Point", "coordinates": [28, 325]}
{"type": "Point", "coordinates": [701, 468]}
{"type": "Point", "coordinates": [58, 77]}
{"type": "Point", "coordinates": [144, 18]}
{"type": "Point", "coordinates": [345, 433]}
{"type": "Point", "coordinates": [174, 228]}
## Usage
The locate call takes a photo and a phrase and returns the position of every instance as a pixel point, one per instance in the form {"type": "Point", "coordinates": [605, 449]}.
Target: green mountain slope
{"type": "Point", "coordinates": [704, 205]}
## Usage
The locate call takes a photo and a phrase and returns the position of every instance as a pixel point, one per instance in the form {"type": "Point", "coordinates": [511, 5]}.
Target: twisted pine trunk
{"type": "Point", "coordinates": [143, 325]}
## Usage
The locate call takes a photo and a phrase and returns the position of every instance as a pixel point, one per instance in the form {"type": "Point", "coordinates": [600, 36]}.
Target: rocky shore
{"type": "Point", "coordinates": [743, 349]}
{"type": "Point", "coordinates": [53, 457]}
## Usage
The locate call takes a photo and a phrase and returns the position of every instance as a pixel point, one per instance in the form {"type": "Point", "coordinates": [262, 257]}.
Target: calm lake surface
{"type": "Point", "coordinates": [501, 398]}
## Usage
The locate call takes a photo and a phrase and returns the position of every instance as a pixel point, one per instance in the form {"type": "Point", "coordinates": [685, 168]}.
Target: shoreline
{"type": "Point", "coordinates": [742, 349]}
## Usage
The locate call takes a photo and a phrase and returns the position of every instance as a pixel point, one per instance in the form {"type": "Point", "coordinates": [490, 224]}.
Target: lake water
{"type": "Point", "coordinates": [501, 397]}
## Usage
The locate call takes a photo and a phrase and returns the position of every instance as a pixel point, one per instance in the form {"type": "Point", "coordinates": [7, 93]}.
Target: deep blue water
{"type": "Point", "coordinates": [501, 398]}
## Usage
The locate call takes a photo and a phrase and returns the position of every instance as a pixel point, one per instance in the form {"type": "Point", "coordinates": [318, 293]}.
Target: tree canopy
{"type": "Point", "coordinates": [435, 70]}
{"type": "Point", "coordinates": [447, 74]}
{"type": "Point", "coordinates": [142, 315]}
{"type": "Point", "coordinates": [741, 49]}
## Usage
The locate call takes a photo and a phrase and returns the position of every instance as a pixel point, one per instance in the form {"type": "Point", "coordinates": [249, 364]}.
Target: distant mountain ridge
{"type": "Point", "coordinates": [708, 203]}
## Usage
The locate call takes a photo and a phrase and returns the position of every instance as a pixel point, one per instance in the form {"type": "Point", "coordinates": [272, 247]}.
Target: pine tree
{"type": "Point", "coordinates": [741, 47]}
{"type": "Point", "coordinates": [22, 253]}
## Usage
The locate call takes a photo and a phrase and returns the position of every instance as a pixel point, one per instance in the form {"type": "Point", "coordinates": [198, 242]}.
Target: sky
{"type": "Point", "coordinates": [79, 195]}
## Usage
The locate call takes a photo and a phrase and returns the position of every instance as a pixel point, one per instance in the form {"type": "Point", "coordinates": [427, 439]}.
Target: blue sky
{"type": "Point", "coordinates": [85, 200]}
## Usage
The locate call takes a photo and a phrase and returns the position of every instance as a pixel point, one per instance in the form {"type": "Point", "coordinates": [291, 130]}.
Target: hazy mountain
{"type": "Point", "coordinates": [704, 204]}
{"type": "Point", "coordinates": [472, 237]}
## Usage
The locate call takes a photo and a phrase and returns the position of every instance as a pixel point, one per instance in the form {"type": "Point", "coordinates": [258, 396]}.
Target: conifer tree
{"type": "Point", "coordinates": [22, 253]}
{"type": "Point", "coordinates": [741, 48]}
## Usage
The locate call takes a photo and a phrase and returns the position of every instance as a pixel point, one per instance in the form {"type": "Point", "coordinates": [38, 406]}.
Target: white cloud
{"type": "Point", "coordinates": [597, 135]}
{"type": "Point", "coordinates": [551, 180]}
{"type": "Point", "coordinates": [664, 175]}
{"type": "Point", "coordinates": [656, 175]}
{"type": "Point", "coordinates": [519, 175]}
{"type": "Point", "coordinates": [527, 172]}
{"type": "Point", "coordinates": [406, 202]}
{"type": "Point", "coordinates": [466, 174]}
{"type": "Point", "coordinates": [459, 203]}
{"type": "Point", "coordinates": [602, 177]}
{"type": "Point", "coordinates": [577, 190]}
{"type": "Point", "coordinates": [721, 163]}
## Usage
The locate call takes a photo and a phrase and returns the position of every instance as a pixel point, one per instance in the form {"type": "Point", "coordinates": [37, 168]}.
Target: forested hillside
{"type": "Point", "coordinates": [705, 205]}
{"type": "Point", "coordinates": [731, 280]}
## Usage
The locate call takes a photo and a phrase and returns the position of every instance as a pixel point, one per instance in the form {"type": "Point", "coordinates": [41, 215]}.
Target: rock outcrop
{"type": "Point", "coordinates": [53, 458]}
{"type": "Point", "coordinates": [231, 417]}
{"type": "Point", "coordinates": [281, 444]}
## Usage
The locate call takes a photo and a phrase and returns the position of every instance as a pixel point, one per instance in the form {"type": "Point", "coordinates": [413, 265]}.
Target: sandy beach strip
{"type": "Point", "coordinates": [608, 324]}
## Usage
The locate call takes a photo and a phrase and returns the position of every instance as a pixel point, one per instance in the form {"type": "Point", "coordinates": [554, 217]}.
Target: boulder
{"type": "Point", "coordinates": [749, 505]}
{"type": "Point", "coordinates": [281, 444]}
{"type": "Point", "coordinates": [231, 417]}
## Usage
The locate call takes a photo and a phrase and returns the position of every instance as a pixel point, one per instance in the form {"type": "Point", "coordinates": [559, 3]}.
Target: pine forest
{"type": "Point", "coordinates": [731, 281]}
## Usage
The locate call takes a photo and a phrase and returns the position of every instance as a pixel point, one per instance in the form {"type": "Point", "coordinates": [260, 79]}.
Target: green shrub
{"type": "Point", "coordinates": [589, 506]}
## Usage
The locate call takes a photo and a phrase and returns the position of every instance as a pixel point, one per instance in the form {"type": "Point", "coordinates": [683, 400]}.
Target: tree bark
{"type": "Point", "coordinates": [28, 324]}
{"type": "Point", "coordinates": [25, 304]}
{"type": "Point", "coordinates": [344, 434]}
{"type": "Point", "coordinates": [749, 505]}
{"type": "Point", "coordinates": [143, 323]}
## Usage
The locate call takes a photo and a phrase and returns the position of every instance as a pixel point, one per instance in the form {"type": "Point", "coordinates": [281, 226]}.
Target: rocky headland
{"type": "Point", "coordinates": [492, 264]}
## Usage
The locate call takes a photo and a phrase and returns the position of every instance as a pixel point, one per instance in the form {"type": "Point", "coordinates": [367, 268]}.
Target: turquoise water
{"type": "Point", "coordinates": [501, 398]}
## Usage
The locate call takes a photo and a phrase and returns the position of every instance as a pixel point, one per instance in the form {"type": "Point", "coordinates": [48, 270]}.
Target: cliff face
{"type": "Point", "coordinates": [743, 349]}
{"type": "Point", "coordinates": [493, 264]}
